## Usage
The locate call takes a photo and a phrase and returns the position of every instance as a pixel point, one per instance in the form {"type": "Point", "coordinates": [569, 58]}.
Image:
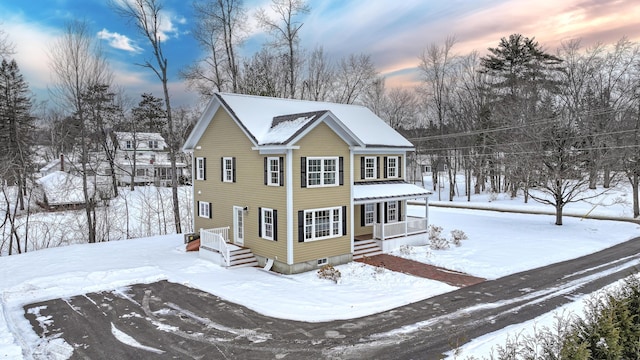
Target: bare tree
{"type": "Point", "coordinates": [147, 17]}
{"type": "Point", "coordinates": [285, 31]}
{"type": "Point", "coordinates": [77, 64]}
{"type": "Point", "coordinates": [263, 75]}
{"type": "Point", "coordinates": [354, 76]}
{"type": "Point", "coordinates": [219, 31]}
{"type": "Point", "coordinates": [7, 48]}
{"type": "Point", "coordinates": [401, 109]}
{"type": "Point", "coordinates": [319, 77]}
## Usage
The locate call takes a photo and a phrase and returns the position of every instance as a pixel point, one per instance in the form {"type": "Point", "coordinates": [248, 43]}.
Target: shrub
{"type": "Point", "coordinates": [457, 236]}
{"type": "Point", "coordinates": [330, 273]}
{"type": "Point", "coordinates": [406, 249]}
{"type": "Point", "coordinates": [436, 240]}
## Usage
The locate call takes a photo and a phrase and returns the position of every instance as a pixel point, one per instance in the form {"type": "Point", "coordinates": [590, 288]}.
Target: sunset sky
{"type": "Point", "coordinates": [393, 32]}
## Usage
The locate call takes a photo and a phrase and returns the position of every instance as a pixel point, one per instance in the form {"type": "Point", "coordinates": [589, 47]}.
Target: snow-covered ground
{"type": "Point", "coordinates": [498, 244]}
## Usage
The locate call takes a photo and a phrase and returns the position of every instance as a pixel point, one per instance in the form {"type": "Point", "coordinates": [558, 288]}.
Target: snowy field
{"type": "Point", "coordinates": [498, 244]}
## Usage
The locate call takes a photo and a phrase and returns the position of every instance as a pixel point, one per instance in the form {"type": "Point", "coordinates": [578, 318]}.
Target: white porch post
{"type": "Point", "coordinates": [404, 211]}
{"type": "Point", "coordinates": [382, 213]}
{"type": "Point", "coordinates": [426, 210]}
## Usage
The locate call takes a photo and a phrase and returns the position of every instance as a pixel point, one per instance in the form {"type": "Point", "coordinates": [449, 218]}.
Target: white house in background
{"type": "Point", "coordinates": [146, 156]}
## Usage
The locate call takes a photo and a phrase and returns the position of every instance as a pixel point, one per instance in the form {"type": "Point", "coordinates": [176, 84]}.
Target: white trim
{"type": "Point", "coordinates": [270, 172]}
{"type": "Point", "coordinates": [204, 209]}
{"type": "Point", "coordinates": [238, 240]}
{"type": "Point", "coordinates": [351, 212]}
{"type": "Point", "coordinates": [314, 224]}
{"type": "Point", "coordinates": [382, 150]}
{"type": "Point", "coordinates": [263, 223]}
{"type": "Point", "coordinates": [388, 212]}
{"type": "Point", "coordinates": [372, 212]}
{"type": "Point", "coordinates": [227, 171]}
{"type": "Point", "coordinates": [200, 168]}
{"type": "Point", "coordinates": [322, 159]}
{"type": "Point", "coordinates": [397, 160]}
{"type": "Point", "coordinates": [374, 170]}
{"type": "Point", "coordinates": [289, 191]}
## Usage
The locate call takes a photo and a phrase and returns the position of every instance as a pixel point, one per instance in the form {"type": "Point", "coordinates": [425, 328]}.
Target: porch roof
{"type": "Point", "coordinates": [397, 190]}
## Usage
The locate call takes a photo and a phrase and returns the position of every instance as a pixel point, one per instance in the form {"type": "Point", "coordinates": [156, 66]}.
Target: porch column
{"type": "Point", "coordinates": [406, 217]}
{"type": "Point", "coordinates": [426, 210]}
{"type": "Point", "coordinates": [381, 215]}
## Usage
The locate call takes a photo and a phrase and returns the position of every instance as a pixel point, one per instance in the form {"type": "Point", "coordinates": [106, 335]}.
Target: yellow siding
{"type": "Point", "coordinates": [321, 141]}
{"type": "Point", "coordinates": [357, 167]}
{"type": "Point", "coordinates": [224, 138]}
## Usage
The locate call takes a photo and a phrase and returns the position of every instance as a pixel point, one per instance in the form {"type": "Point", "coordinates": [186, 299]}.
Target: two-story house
{"type": "Point", "coordinates": [143, 158]}
{"type": "Point", "coordinates": [300, 183]}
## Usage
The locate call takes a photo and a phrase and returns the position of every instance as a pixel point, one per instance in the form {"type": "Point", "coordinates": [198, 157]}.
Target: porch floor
{"type": "Point", "coordinates": [415, 268]}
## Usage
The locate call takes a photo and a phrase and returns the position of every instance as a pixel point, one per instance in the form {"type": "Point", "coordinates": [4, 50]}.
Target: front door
{"type": "Point", "coordinates": [238, 225]}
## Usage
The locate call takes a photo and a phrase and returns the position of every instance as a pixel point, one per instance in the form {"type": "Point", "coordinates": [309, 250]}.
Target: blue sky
{"type": "Point", "coordinates": [393, 32]}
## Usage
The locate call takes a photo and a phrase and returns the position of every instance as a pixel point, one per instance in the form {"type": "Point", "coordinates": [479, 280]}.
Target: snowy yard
{"type": "Point", "coordinates": [498, 244]}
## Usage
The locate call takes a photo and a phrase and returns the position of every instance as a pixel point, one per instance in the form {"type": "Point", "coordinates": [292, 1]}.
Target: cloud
{"type": "Point", "coordinates": [118, 41]}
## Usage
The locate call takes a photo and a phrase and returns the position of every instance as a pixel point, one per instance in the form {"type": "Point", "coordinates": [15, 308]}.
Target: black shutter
{"type": "Point", "coordinates": [281, 168]}
{"type": "Point", "coordinates": [210, 211]}
{"type": "Point", "coordinates": [303, 172]}
{"type": "Point", "coordinates": [385, 167]}
{"type": "Point", "coordinates": [378, 167]}
{"type": "Point", "coordinates": [266, 170]}
{"type": "Point", "coordinates": [399, 210]}
{"type": "Point", "coordinates": [259, 222]}
{"type": "Point", "coordinates": [399, 167]}
{"type": "Point", "coordinates": [340, 170]}
{"type": "Point", "coordinates": [344, 220]}
{"type": "Point", "coordinates": [233, 167]}
{"type": "Point", "coordinates": [221, 169]}
{"type": "Point", "coordinates": [362, 217]}
{"type": "Point", "coordinates": [300, 226]}
{"type": "Point", "coordinates": [204, 168]}
{"type": "Point", "coordinates": [384, 204]}
{"type": "Point", "coordinates": [275, 225]}
{"type": "Point", "coordinates": [362, 168]}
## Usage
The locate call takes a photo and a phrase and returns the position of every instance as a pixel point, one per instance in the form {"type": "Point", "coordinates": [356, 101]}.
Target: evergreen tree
{"type": "Point", "coordinates": [16, 125]}
{"type": "Point", "coordinates": [150, 115]}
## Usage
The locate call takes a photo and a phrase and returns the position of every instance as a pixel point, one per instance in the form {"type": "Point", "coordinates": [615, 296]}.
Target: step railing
{"type": "Point", "coordinates": [216, 240]}
{"type": "Point", "coordinates": [399, 228]}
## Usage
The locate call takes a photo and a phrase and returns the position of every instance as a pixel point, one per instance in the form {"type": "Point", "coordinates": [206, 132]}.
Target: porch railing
{"type": "Point", "coordinates": [400, 228]}
{"type": "Point", "coordinates": [216, 240]}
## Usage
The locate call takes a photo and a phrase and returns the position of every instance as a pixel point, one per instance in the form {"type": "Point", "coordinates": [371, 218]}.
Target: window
{"type": "Point", "coordinates": [128, 144]}
{"type": "Point", "coordinates": [370, 167]}
{"type": "Point", "coordinates": [321, 224]}
{"type": "Point", "coordinates": [153, 144]}
{"type": "Point", "coordinates": [322, 172]}
{"type": "Point", "coordinates": [273, 175]}
{"type": "Point", "coordinates": [392, 211]}
{"type": "Point", "coordinates": [267, 224]}
{"type": "Point", "coordinates": [204, 209]}
{"type": "Point", "coordinates": [369, 214]}
{"type": "Point", "coordinates": [141, 172]}
{"type": "Point", "coordinates": [323, 261]}
{"type": "Point", "coordinates": [392, 167]}
{"type": "Point", "coordinates": [201, 166]}
{"type": "Point", "coordinates": [228, 169]}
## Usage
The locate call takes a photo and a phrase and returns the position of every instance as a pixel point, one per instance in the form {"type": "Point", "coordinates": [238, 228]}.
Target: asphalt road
{"type": "Point", "coordinates": [170, 321]}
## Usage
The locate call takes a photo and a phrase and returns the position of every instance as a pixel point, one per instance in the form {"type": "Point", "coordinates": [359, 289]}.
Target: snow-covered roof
{"type": "Point", "coordinates": [62, 188]}
{"type": "Point", "coordinates": [140, 136]}
{"type": "Point", "coordinates": [396, 190]}
{"type": "Point", "coordinates": [275, 121]}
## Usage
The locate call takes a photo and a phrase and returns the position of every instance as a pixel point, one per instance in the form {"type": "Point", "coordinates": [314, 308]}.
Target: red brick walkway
{"type": "Point", "coordinates": [415, 268]}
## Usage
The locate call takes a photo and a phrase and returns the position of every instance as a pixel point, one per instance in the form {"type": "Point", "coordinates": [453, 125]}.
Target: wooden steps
{"type": "Point", "coordinates": [242, 257]}
{"type": "Point", "coordinates": [366, 248]}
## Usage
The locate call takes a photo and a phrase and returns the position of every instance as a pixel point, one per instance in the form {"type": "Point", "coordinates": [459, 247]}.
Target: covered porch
{"type": "Point", "coordinates": [382, 208]}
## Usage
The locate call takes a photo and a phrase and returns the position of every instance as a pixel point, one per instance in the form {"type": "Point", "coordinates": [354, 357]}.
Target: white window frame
{"type": "Point", "coordinates": [394, 168]}
{"type": "Point", "coordinates": [204, 209]}
{"type": "Point", "coordinates": [312, 224]}
{"type": "Point", "coordinates": [323, 172]}
{"type": "Point", "coordinates": [128, 144]}
{"type": "Point", "coordinates": [200, 168]}
{"type": "Point", "coordinates": [273, 171]}
{"type": "Point", "coordinates": [392, 211]}
{"type": "Point", "coordinates": [227, 169]}
{"type": "Point", "coordinates": [369, 214]}
{"type": "Point", "coordinates": [153, 144]}
{"type": "Point", "coordinates": [267, 227]}
{"type": "Point", "coordinates": [368, 161]}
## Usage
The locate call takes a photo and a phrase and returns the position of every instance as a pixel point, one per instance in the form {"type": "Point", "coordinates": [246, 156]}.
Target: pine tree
{"type": "Point", "coordinates": [16, 125]}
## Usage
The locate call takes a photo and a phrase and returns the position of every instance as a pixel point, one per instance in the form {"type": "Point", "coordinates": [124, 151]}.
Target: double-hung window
{"type": "Point", "coordinates": [370, 171]}
{"type": "Point", "coordinates": [267, 223]}
{"type": "Point", "coordinates": [392, 167]}
{"type": "Point", "coordinates": [128, 144]}
{"type": "Point", "coordinates": [323, 223]}
{"type": "Point", "coordinates": [369, 214]}
{"type": "Point", "coordinates": [153, 144]}
{"type": "Point", "coordinates": [228, 169]}
{"type": "Point", "coordinates": [201, 165]}
{"type": "Point", "coordinates": [204, 209]}
{"type": "Point", "coordinates": [273, 171]}
{"type": "Point", "coordinates": [392, 211]}
{"type": "Point", "coordinates": [322, 171]}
